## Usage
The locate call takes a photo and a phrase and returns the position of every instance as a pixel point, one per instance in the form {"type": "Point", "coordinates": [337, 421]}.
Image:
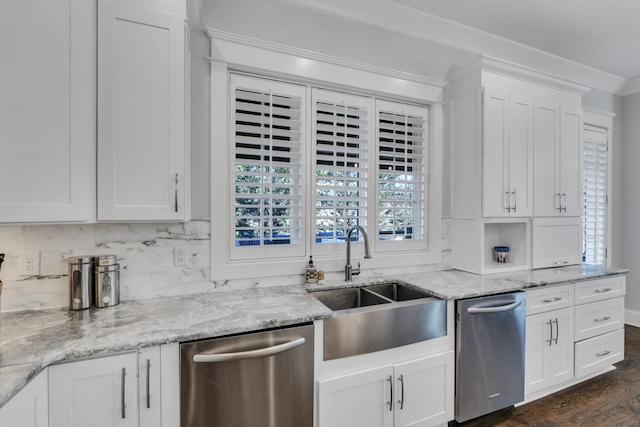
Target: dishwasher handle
{"type": "Point", "coordinates": [241, 355]}
{"type": "Point", "coordinates": [494, 309]}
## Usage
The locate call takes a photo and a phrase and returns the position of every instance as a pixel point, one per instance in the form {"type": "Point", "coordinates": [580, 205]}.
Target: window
{"type": "Point", "coordinates": [341, 137]}
{"type": "Point", "coordinates": [267, 167]}
{"type": "Point", "coordinates": [294, 167]}
{"type": "Point", "coordinates": [402, 164]}
{"type": "Point", "coordinates": [594, 216]}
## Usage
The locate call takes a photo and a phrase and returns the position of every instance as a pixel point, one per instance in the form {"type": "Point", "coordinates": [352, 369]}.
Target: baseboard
{"type": "Point", "coordinates": [632, 317]}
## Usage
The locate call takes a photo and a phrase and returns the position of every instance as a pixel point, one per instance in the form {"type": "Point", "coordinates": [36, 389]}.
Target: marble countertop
{"type": "Point", "coordinates": [454, 284]}
{"type": "Point", "coordinates": [31, 340]}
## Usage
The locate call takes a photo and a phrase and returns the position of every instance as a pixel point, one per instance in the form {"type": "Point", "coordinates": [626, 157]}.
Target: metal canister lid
{"type": "Point", "coordinates": [106, 260]}
{"type": "Point", "coordinates": [107, 268]}
{"type": "Point", "coordinates": [84, 259]}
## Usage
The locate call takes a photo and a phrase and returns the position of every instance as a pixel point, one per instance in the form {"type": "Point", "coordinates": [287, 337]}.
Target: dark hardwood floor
{"type": "Point", "coordinates": [609, 400]}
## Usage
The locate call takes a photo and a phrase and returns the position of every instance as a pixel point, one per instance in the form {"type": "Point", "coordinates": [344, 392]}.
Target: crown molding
{"type": "Point", "coordinates": [631, 87]}
{"type": "Point", "coordinates": [405, 20]}
{"type": "Point", "coordinates": [316, 56]}
{"type": "Point", "coordinates": [509, 69]}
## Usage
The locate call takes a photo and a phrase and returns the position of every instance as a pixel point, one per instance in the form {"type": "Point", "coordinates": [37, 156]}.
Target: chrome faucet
{"type": "Point", "coordinates": [349, 272]}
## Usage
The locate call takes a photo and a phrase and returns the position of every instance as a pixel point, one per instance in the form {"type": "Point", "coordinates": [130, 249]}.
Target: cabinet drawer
{"type": "Point", "coordinates": [599, 318]}
{"type": "Point", "coordinates": [549, 298]}
{"type": "Point", "coordinates": [597, 353]}
{"type": "Point", "coordinates": [600, 289]}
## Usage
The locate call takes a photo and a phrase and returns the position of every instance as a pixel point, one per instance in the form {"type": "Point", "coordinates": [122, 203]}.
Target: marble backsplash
{"type": "Point", "coordinates": [145, 253]}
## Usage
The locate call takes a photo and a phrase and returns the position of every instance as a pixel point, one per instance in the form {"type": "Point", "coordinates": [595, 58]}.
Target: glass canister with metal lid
{"type": "Point", "coordinates": [80, 282]}
{"type": "Point", "coordinates": [107, 281]}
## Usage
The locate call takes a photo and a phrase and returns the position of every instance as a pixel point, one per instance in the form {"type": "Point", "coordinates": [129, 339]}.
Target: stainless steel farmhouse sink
{"type": "Point", "coordinates": [379, 317]}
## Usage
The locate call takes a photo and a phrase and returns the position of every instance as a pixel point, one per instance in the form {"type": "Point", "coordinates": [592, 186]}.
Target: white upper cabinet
{"type": "Point", "coordinates": [557, 141]}
{"type": "Point", "coordinates": [507, 154]}
{"type": "Point", "coordinates": [47, 111]}
{"type": "Point", "coordinates": [142, 133]}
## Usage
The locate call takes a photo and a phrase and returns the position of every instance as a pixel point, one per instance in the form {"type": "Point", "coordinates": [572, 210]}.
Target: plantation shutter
{"type": "Point", "coordinates": [594, 216]}
{"type": "Point", "coordinates": [267, 177]}
{"type": "Point", "coordinates": [341, 141]}
{"type": "Point", "coordinates": [402, 156]}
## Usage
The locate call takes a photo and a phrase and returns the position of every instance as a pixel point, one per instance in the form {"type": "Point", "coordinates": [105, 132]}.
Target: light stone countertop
{"type": "Point", "coordinates": [31, 340]}
{"type": "Point", "coordinates": [454, 284]}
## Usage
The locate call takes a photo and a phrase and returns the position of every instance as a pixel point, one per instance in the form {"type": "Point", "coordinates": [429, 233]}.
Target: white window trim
{"type": "Point", "coordinates": [604, 120]}
{"type": "Point", "coordinates": [228, 56]}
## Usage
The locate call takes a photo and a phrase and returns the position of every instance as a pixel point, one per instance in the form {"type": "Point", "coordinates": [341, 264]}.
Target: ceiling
{"type": "Point", "coordinates": [602, 34]}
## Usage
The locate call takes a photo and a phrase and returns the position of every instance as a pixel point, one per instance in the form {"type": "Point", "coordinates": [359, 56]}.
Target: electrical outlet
{"type": "Point", "coordinates": [29, 263]}
{"type": "Point", "coordinates": [180, 255]}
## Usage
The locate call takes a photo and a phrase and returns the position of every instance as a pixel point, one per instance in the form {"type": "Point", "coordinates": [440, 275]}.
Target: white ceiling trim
{"type": "Point", "coordinates": [630, 88]}
{"type": "Point", "coordinates": [392, 16]}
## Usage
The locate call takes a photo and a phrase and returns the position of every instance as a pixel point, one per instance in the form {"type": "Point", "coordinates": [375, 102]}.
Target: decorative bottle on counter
{"type": "Point", "coordinates": [310, 273]}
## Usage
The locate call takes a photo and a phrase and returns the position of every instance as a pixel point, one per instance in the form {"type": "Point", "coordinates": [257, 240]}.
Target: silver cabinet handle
{"type": "Point", "coordinates": [554, 299]}
{"type": "Point", "coordinates": [558, 199]}
{"type": "Point", "coordinates": [561, 263]}
{"type": "Point", "coordinates": [261, 352]}
{"type": "Point", "coordinates": [515, 200]}
{"type": "Point", "coordinates": [148, 384]}
{"type": "Point", "coordinates": [550, 340]}
{"type": "Point", "coordinates": [494, 309]}
{"type": "Point", "coordinates": [176, 195]}
{"type": "Point", "coordinates": [603, 353]}
{"type": "Point", "coordinates": [602, 290]}
{"type": "Point", "coordinates": [390, 402]}
{"type": "Point", "coordinates": [557, 331]}
{"type": "Point", "coordinates": [563, 202]}
{"type": "Point", "coordinates": [123, 414]}
{"type": "Point", "coordinates": [401, 391]}
{"type": "Point", "coordinates": [602, 319]}
{"type": "Point", "coordinates": [508, 200]}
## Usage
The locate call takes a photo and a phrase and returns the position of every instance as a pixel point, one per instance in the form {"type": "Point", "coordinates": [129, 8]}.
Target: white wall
{"type": "Point", "coordinates": [630, 200]}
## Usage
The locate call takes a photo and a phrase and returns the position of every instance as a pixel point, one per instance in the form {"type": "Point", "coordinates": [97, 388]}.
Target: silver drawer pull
{"type": "Point", "coordinates": [602, 319]}
{"type": "Point", "coordinates": [554, 299]}
{"type": "Point", "coordinates": [603, 353]}
{"type": "Point", "coordinates": [390, 402]}
{"type": "Point", "coordinates": [599, 291]}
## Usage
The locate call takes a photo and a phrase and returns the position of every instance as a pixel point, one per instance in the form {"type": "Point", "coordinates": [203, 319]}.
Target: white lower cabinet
{"type": "Point", "coordinates": [100, 392]}
{"type": "Point", "coordinates": [413, 393]}
{"type": "Point", "coordinates": [139, 388]}
{"type": "Point", "coordinates": [28, 408]}
{"type": "Point", "coordinates": [549, 349]}
{"type": "Point", "coordinates": [574, 332]}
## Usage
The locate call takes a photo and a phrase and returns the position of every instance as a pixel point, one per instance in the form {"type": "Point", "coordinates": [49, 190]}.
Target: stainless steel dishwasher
{"type": "Point", "coordinates": [490, 338]}
{"type": "Point", "coordinates": [262, 379]}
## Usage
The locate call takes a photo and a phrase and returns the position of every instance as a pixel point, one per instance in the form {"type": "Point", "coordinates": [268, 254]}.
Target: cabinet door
{"type": "Point", "coordinates": [560, 353]}
{"type": "Point", "coordinates": [28, 408]}
{"type": "Point", "coordinates": [47, 110]}
{"type": "Point", "coordinates": [521, 156]}
{"type": "Point", "coordinates": [424, 390]}
{"type": "Point", "coordinates": [141, 114]}
{"type": "Point", "coordinates": [571, 124]}
{"type": "Point", "coordinates": [99, 392]}
{"type": "Point", "coordinates": [361, 399]}
{"type": "Point", "coordinates": [149, 398]}
{"type": "Point", "coordinates": [556, 241]}
{"type": "Point", "coordinates": [537, 340]}
{"type": "Point", "coordinates": [495, 154]}
{"type": "Point", "coordinates": [549, 349]}
{"type": "Point", "coordinates": [546, 134]}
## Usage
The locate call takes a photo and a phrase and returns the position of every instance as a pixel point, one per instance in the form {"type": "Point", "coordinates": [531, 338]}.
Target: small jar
{"type": "Point", "coordinates": [107, 279]}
